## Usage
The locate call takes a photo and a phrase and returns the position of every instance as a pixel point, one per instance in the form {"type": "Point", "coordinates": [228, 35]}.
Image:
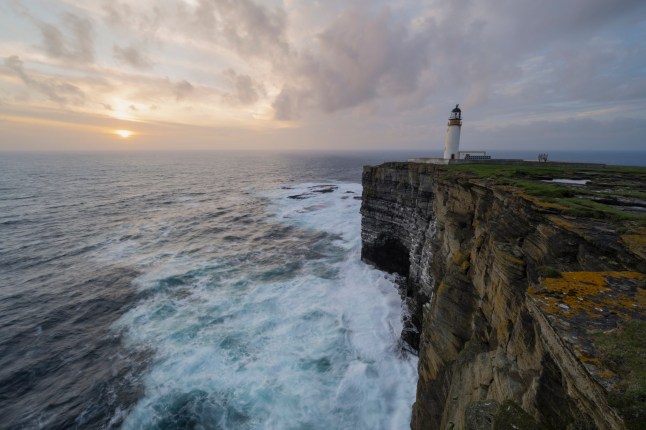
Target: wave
{"type": "Point", "coordinates": [291, 332]}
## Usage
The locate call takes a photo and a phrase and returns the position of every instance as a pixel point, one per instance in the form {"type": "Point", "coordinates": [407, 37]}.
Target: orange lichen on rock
{"type": "Point", "coordinates": [586, 359]}
{"type": "Point", "coordinates": [538, 202]}
{"type": "Point", "coordinates": [462, 261]}
{"type": "Point", "coordinates": [594, 294]}
{"type": "Point", "coordinates": [562, 222]}
{"type": "Point", "coordinates": [606, 374]}
{"type": "Point", "coordinates": [580, 303]}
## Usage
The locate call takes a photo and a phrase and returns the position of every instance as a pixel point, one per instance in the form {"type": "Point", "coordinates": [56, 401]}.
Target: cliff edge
{"type": "Point", "coordinates": [525, 288]}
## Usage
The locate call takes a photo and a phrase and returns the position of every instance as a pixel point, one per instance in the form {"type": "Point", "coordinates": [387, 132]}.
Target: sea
{"type": "Point", "coordinates": [204, 290]}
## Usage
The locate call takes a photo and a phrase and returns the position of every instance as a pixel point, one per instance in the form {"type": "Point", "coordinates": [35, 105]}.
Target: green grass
{"type": "Point", "coordinates": [633, 170]}
{"type": "Point", "coordinates": [623, 181]}
{"type": "Point", "coordinates": [544, 189]}
{"type": "Point", "coordinates": [497, 171]}
{"type": "Point", "coordinates": [582, 207]}
{"type": "Point", "coordinates": [632, 194]}
{"type": "Point", "coordinates": [624, 352]}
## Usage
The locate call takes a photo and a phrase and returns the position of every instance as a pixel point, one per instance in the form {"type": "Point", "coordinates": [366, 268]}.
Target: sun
{"type": "Point", "coordinates": [124, 134]}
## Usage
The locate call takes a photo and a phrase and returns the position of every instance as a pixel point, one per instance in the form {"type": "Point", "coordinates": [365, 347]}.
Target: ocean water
{"type": "Point", "coordinates": [193, 291]}
{"type": "Point", "coordinates": [166, 291]}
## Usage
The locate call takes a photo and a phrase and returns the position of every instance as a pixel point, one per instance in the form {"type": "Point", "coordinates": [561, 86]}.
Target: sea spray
{"type": "Point", "coordinates": [305, 336]}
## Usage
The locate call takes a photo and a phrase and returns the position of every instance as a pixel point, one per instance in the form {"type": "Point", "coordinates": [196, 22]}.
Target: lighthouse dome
{"type": "Point", "coordinates": [456, 114]}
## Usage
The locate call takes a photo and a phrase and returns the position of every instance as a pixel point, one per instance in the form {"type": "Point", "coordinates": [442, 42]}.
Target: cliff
{"type": "Point", "coordinates": [520, 291]}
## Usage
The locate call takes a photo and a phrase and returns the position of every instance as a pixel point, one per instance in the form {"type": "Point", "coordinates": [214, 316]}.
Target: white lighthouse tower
{"type": "Point", "coordinates": [452, 140]}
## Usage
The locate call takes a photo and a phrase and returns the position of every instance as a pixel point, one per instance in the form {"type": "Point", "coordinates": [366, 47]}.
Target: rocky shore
{"type": "Point", "coordinates": [521, 291]}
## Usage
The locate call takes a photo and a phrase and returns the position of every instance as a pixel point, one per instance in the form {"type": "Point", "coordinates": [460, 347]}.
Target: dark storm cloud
{"type": "Point", "coordinates": [131, 56]}
{"type": "Point", "coordinates": [54, 89]}
{"type": "Point", "coordinates": [72, 40]}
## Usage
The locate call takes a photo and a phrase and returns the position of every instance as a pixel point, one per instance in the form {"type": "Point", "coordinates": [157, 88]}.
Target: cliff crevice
{"type": "Point", "coordinates": [489, 322]}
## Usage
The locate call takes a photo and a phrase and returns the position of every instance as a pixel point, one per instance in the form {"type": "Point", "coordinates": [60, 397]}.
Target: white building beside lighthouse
{"type": "Point", "coordinates": [452, 139]}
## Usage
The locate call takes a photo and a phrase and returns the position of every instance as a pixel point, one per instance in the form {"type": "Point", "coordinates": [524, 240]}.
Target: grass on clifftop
{"type": "Point", "coordinates": [586, 201]}
{"type": "Point", "coordinates": [624, 351]}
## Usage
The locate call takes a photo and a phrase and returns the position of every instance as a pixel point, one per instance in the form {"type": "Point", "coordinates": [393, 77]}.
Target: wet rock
{"type": "Point", "coordinates": [480, 415]}
{"type": "Point", "coordinates": [323, 188]}
{"type": "Point", "coordinates": [301, 196]}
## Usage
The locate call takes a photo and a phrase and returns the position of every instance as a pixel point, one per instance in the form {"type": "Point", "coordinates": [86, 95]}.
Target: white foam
{"type": "Point", "coordinates": [302, 352]}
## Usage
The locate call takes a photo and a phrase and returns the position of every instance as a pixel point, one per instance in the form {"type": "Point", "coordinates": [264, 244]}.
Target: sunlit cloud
{"type": "Point", "coordinates": [326, 74]}
{"type": "Point", "coordinates": [124, 134]}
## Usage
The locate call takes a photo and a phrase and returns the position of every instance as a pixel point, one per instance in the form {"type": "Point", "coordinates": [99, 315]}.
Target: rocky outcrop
{"type": "Point", "coordinates": [492, 333]}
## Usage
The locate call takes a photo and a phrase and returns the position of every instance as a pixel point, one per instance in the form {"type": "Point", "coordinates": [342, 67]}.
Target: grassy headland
{"type": "Point", "coordinates": [603, 314]}
{"type": "Point", "coordinates": [613, 193]}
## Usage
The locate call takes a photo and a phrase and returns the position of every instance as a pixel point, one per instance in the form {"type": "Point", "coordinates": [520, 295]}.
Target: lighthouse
{"type": "Point", "coordinates": [452, 140]}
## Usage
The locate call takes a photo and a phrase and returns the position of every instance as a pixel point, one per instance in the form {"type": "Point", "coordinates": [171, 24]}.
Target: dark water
{"type": "Point", "coordinates": [190, 291]}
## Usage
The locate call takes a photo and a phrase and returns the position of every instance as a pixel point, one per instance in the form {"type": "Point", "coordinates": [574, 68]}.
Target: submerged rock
{"type": "Point", "coordinates": [323, 188]}
{"type": "Point", "coordinates": [301, 196]}
{"type": "Point", "coordinates": [313, 191]}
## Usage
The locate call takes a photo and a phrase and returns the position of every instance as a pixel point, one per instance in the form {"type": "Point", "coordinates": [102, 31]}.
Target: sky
{"type": "Point", "coordinates": [322, 75]}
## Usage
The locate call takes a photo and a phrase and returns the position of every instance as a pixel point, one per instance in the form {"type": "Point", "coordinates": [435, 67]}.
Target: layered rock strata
{"type": "Point", "coordinates": [493, 335]}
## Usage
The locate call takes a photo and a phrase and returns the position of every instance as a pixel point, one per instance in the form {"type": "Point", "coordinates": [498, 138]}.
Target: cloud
{"type": "Point", "coordinates": [75, 44]}
{"type": "Point", "coordinates": [182, 89]}
{"type": "Point", "coordinates": [247, 27]}
{"type": "Point", "coordinates": [460, 51]}
{"type": "Point", "coordinates": [140, 20]}
{"type": "Point", "coordinates": [131, 56]}
{"type": "Point", "coordinates": [359, 57]}
{"type": "Point", "coordinates": [116, 13]}
{"type": "Point", "coordinates": [342, 66]}
{"type": "Point", "coordinates": [245, 90]}
{"type": "Point", "coordinates": [54, 89]}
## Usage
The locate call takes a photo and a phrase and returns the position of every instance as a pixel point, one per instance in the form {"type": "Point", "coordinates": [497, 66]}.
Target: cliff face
{"type": "Point", "coordinates": [498, 344]}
